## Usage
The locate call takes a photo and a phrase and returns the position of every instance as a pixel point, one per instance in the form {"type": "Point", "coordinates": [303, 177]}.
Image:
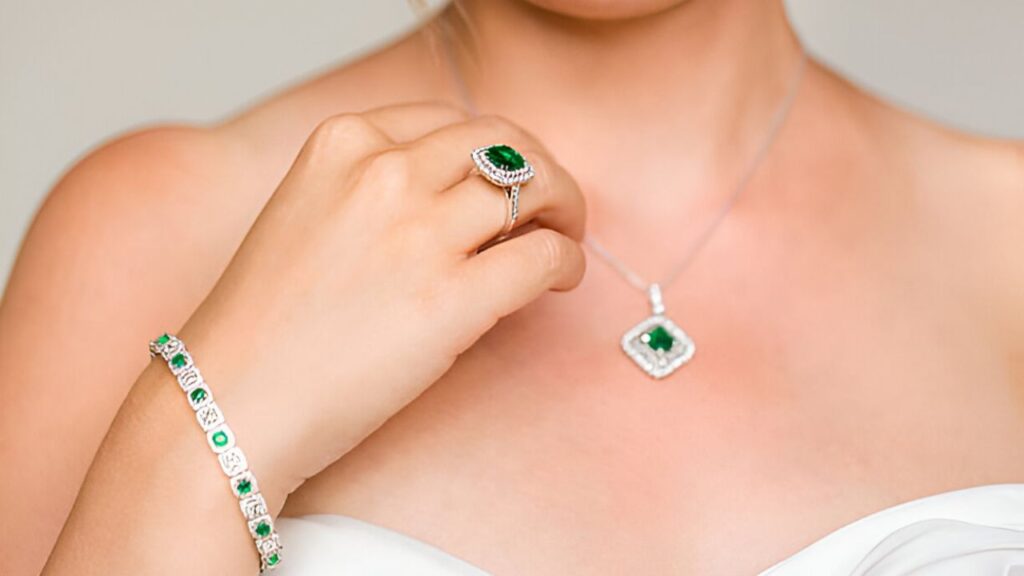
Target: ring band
{"type": "Point", "coordinates": [512, 193]}
{"type": "Point", "coordinates": [506, 168]}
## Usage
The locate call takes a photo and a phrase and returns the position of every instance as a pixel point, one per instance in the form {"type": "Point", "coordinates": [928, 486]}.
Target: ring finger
{"type": "Point", "coordinates": [474, 210]}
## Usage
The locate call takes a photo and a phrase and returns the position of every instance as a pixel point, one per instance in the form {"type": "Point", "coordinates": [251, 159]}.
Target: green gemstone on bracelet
{"type": "Point", "coordinates": [164, 339]}
{"type": "Point", "coordinates": [273, 559]}
{"type": "Point", "coordinates": [178, 361]}
{"type": "Point", "coordinates": [263, 529]}
{"type": "Point", "coordinates": [220, 439]}
{"type": "Point", "coordinates": [197, 396]}
{"type": "Point", "coordinates": [244, 487]}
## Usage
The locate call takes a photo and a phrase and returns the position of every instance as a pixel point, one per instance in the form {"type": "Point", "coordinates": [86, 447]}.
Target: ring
{"type": "Point", "coordinates": [503, 166]}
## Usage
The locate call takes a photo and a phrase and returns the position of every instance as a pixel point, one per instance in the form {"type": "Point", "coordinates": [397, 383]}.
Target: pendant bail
{"type": "Point", "coordinates": [654, 293]}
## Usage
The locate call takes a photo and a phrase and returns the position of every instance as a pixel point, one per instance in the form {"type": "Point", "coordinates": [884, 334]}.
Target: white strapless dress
{"type": "Point", "coordinates": [973, 532]}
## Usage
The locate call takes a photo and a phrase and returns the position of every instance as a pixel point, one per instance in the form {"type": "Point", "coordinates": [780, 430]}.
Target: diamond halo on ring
{"type": "Point", "coordinates": [503, 166]}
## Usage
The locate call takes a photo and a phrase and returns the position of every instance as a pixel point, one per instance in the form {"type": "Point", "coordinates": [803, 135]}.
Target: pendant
{"type": "Point", "coordinates": [657, 345]}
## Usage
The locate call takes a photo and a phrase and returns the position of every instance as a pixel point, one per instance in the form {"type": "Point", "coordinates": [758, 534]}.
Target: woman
{"type": "Point", "coordinates": [850, 275]}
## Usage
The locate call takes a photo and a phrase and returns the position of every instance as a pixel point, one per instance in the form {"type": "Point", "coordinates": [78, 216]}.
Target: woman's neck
{"type": "Point", "coordinates": [667, 109]}
{"type": "Point", "coordinates": [705, 75]}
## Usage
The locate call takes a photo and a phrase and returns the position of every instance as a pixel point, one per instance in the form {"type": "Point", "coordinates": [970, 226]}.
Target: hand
{"type": "Point", "coordinates": [360, 282]}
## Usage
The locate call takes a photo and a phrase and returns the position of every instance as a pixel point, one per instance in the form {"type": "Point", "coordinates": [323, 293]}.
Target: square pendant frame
{"type": "Point", "coordinates": [497, 175]}
{"type": "Point", "coordinates": [658, 363]}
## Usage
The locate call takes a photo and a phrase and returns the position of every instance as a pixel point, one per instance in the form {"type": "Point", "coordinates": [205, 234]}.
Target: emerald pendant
{"type": "Point", "coordinates": [657, 345]}
{"type": "Point", "coordinates": [658, 339]}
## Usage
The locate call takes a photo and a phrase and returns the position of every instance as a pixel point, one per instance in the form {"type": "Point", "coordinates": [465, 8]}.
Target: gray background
{"type": "Point", "coordinates": [73, 73]}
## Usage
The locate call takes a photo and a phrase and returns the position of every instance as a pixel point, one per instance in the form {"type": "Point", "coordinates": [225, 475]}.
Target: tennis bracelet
{"type": "Point", "coordinates": [222, 441]}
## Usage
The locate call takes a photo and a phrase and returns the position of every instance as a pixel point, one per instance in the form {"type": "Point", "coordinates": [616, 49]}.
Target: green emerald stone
{"type": "Point", "coordinates": [660, 339]}
{"type": "Point", "coordinates": [244, 487]}
{"type": "Point", "coordinates": [178, 361]}
{"type": "Point", "coordinates": [263, 529]}
{"type": "Point", "coordinates": [273, 559]}
{"type": "Point", "coordinates": [198, 395]}
{"type": "Point", "coordinates": [505, 157]}
{"type": "Point", "coordinates": [220, 439]}
{"type": "Point", "coordinates": [163, 339]}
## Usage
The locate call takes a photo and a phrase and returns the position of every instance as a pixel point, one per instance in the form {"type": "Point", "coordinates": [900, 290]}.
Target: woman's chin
{"type": "Point", "coordinates": [606, 9]}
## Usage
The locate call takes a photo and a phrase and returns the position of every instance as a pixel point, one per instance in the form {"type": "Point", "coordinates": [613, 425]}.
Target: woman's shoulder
{"type": "Point", "coordinates": [947, 203]}
{"type": "Point", "coordinates": [197, 186]}
{"type": "Point", "coordinates": [267, 131]}
{"type": "Point", "coordinates": [964, 194]}
{"type": "Point", "coordinates": [151, 174]}
{"type": "Point", "coordinates": [934, 155]}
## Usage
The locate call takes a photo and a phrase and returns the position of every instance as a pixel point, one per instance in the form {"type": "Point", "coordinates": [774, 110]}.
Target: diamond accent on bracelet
{"type": "Point", "coordinates": [253, 506]}
{"type": "Point", "coordinates": [190, 378]}
{"type": "Point", "coordinates": [199, 396]}
{"type": "Point", "coordinates": [209, 417]}
{"type": "Point", "coordinates": [233, 462]}
{"type": "Point", "coordinates": [658, 346]}
{"type": "Point", "coordinates": [261, 526]}
{"type": "Point", "coordinates": [244, 484]}
{"type": "Point", "coordinates": [514, 169]}
{"type": "Point", "coordinates": [172, 347]}
{"type": "Point", "coordinates": [269, 545]}
{"type": "Point", "coordinates": [221, 439]}
{"type": "Point", "coordinates": [270, 552]}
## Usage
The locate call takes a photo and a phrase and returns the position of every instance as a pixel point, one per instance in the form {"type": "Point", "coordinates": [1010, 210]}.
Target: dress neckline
{"type": "Point", "coordinates": [886, 519]}
{"type": "Point", "coordinates": [957, 504]}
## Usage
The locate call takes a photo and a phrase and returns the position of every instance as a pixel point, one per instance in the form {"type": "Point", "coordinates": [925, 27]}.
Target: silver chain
{"type": "Point", "coordinates": [777, 121]}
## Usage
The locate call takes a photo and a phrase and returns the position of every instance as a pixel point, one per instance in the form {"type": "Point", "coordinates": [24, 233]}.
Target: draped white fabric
{"type": "Point", "coordinates": [946, 547]}
{"type": "Point", "coordinates": [973, 532]}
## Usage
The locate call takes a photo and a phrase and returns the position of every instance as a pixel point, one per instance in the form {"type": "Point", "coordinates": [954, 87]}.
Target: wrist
{"type": "Point", "coordinates": [254, 409]}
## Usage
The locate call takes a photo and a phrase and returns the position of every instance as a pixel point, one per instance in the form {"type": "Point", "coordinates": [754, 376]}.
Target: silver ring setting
{"type": "Point", "coordinates": [506, 168]}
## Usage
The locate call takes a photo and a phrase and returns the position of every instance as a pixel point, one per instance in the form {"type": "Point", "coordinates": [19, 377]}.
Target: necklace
{"type": "Point", "coordinates": [656, 344]}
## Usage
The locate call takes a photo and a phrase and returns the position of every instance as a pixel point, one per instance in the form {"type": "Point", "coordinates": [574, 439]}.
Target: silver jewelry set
{"type": "Point", "coordinates": [657, 345]}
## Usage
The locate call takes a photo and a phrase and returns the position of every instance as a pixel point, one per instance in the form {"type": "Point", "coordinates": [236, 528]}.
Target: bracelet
{"type": "Point", "coordinates": [222, 442]}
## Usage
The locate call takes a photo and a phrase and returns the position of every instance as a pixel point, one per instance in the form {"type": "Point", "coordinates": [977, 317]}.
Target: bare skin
{"type": "Point", "coordinates": [858, 316]}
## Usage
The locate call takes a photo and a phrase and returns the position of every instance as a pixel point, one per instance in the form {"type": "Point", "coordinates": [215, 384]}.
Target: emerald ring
{"type": "Point", "coordinates": [506, 168]}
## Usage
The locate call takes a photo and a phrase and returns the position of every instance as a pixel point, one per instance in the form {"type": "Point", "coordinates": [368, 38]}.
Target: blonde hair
{"type": "Point", "coordinates": [449, 30]}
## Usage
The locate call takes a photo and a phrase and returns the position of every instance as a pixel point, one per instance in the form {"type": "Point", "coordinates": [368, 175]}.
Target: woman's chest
{"type": "Point", "coordinates": [816, 396]}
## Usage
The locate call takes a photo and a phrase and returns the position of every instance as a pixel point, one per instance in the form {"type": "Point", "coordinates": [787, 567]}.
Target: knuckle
{"type": "Point", "coordinates": [500, 127]}
{"type": "Point", "coordinates": [390, 170]}
{"type": "Point", "coordinates": [341, 128]}
{"type": "Point", "coordinates": [452, 111]}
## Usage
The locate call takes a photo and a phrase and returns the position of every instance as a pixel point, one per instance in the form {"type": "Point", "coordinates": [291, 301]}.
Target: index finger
{"type": "Point", "coordinates": [411, 121]}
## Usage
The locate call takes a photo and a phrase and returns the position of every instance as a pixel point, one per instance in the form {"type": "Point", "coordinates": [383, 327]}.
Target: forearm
{"type": "Point", "coordinates": [155, 500]}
